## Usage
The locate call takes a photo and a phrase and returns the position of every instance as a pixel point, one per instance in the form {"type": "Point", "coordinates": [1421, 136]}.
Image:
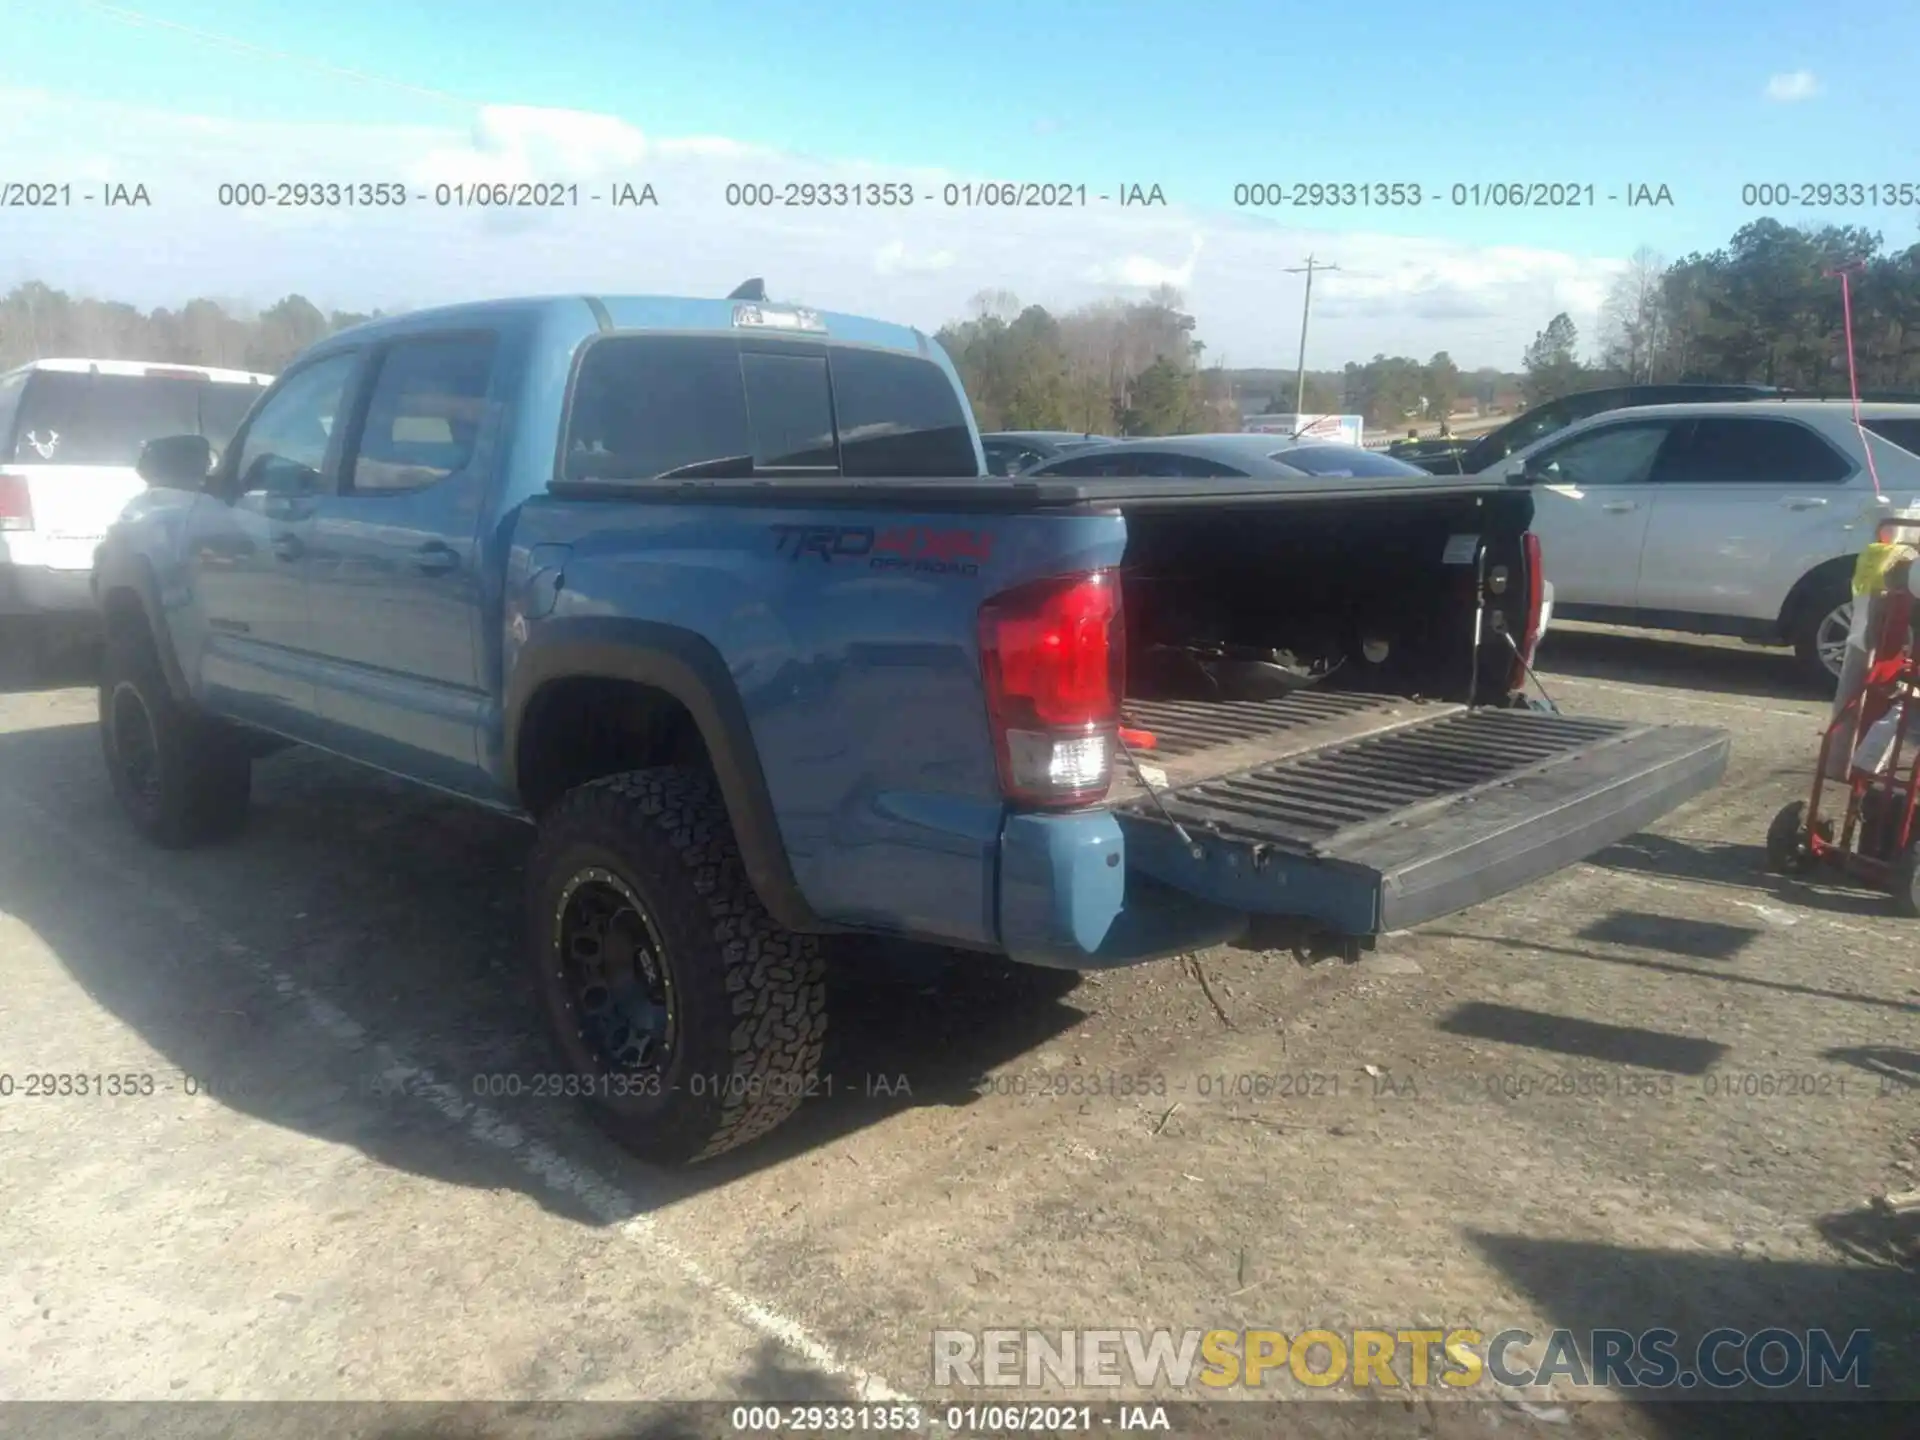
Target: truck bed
{"type": "Point", "coordinates": [1370, 813]}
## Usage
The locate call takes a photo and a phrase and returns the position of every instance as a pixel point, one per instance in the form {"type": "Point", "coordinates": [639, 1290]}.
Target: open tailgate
{"type": "Point", "coordinates": [1369, 814]}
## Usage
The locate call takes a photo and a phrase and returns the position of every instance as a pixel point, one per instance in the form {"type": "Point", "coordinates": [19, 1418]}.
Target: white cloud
{"type": "Point", "coordinates": [918, 263]}
{"type": "Point", "coordinates": [1792, 85]}
{"type": "Point", "coordinates": [1143, 272]}
{"type": "Point", "coordinates": [894, 258]}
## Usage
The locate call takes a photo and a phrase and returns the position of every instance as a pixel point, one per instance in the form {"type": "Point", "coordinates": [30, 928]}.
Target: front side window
{"type": "Point", "coordinates": [1725, 450]}
{"type": "Point", "coordinates": [1610, 455]}
{"type": "Point", "coordinates": [223, 406]}
{"type": "Point", "coordinates": [425, 413]}
{"type": "Point", "coordinates": [285, 449]}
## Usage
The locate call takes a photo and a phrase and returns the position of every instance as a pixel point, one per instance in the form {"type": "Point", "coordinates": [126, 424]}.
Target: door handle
{"type": "Point", "coordinates": [436, 559]}
{"type": "Point", "coordinates": [288, 546]}
{"type": "Point", "coordinates": [1804, 502]}
{"type": "Point", "coordinates": [1620, 507]}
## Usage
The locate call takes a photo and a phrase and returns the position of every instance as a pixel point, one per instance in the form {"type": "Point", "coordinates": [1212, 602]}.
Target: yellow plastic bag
{"type": "Point", "coordinates": [1872, 572]}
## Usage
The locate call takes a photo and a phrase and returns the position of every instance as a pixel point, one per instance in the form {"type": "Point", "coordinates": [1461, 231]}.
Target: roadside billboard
{"type": "Point", "coordinates": [1343, 429]}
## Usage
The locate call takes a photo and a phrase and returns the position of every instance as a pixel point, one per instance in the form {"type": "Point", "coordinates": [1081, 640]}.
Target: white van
{"type": "Point", "coordinates": [70, 431]}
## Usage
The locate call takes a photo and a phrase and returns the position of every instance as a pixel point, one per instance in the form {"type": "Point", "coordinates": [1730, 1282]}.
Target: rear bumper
{"type": "Point", "coordinates": [42, 590]}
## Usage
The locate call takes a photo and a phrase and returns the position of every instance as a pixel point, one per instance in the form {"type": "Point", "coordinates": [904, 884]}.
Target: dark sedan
{"type": "Point", "coordinates": [1011, 451]}
{"type": "Point", "coordinates": [1225, 456]}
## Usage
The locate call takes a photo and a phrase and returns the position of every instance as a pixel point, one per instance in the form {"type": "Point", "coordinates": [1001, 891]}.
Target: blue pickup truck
{"type": "Point", "coordinates": [717, 594]}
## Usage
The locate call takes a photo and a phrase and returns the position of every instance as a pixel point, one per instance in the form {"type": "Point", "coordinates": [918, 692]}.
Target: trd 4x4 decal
{"type": "Point", "coordinates": [916, 548]}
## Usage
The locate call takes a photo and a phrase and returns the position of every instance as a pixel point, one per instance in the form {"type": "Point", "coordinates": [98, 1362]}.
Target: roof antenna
{"type": "Point", "coordinates": [754, 290]}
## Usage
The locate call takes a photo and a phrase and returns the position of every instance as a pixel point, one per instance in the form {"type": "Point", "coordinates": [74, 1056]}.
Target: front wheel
{"type": "Point", "coordinates": [180, 778]}
{"type": "Point", "coordinates": [685, 1017]}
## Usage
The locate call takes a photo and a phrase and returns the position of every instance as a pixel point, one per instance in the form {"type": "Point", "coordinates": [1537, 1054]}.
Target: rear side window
{"type": "Point", "coordinates": [1344, 462]}
{"type": "Point", "coordinates": [425, 413]}
{"type": "Point", "coordinates": [1726, 450]}
{"type": "Point", "coordinates": [1904, 433]}
{"type": "Point", "coordinates": [646, 406]}
{"type": "Point", "coordinates": [70, 418]}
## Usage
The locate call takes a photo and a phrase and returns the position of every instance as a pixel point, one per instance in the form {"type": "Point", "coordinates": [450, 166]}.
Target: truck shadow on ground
{"type": "Point", "coordinates": [1586, 1286]}
{"type": "Point", "coordinates": [350, 967]}
{"type": "Point", "coordinates": [1675, 662]}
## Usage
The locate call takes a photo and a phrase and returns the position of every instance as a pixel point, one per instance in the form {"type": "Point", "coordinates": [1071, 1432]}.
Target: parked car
{"type": "Point", "coordinates": [1720, 519]}
{"type": "Point", "coordinates": [1247, 455]}
{"type": "Point", "coordinates": [1228, 455]}
{"type": "Point", "coordinates": [1534, 425]}
{"type": "Point", "coordinates": [716, 595]}
{"type": "Point", "coordinates": [70, 431]}
{"type": "Point", "coordinates": [1011, 451]}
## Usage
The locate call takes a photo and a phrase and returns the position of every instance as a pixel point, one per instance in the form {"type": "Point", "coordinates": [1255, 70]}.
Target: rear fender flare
{"type": "Point", "coordinates": [687, 667]}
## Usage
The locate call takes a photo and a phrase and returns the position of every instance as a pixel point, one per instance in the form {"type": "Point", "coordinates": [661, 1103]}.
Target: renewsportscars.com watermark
{"type": "Point", "coordinates": [1458, 1359]}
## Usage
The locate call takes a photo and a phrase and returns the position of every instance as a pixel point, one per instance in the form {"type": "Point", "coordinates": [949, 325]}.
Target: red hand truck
{"type": "Point", "coordinates": [1877, 843]}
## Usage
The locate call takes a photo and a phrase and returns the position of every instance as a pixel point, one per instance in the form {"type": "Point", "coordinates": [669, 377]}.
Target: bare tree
{"type": "Point", "coordinates": [1633, 321]}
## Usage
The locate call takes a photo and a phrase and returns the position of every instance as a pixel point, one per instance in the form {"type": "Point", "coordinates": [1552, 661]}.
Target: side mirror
{"type": "Point", "coordinates": [175, 462]}
{"type": "Point", "coordinates": [1533, 471]}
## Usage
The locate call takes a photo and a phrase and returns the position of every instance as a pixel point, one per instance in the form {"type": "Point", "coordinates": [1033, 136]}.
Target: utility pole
{"type": "Point", "coordinates": [1306, 305]}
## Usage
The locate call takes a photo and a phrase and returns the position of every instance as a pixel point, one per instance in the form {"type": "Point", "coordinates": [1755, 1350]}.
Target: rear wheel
{"type": "Point", "coordinates": [1820, 628]}
{"type": "Point", "coordinates": [180, 778]}
{"type": "Point", "coordinates": [686, 1018]}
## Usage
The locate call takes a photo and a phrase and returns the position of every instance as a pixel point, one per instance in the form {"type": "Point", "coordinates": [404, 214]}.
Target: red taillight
{"type": "Point", "coordinates": [1536, 581]}
{"type": "Point", "coordinates": [1053, 657]}
{"type": "Point", "coordinates": [16, 503]}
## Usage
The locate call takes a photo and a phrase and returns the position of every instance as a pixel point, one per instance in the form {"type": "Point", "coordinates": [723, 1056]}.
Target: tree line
{"type": "Point", "coordinates": [38, 322]}
{"type": "Point", "coordinates": [1764, 307]}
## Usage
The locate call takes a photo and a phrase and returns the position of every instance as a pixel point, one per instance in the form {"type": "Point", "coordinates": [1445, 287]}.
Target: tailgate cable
{"type": "Point", "coordinates": [1153, 794]}
{"type": "Point", "coordinates": [1525, 665]}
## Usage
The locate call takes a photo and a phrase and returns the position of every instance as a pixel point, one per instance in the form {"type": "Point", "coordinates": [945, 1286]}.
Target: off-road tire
{"type": "Point", "coordinates": [1822, 598]}
{"type": "Point", "coordinates": [202, 773]}
{"type": "Point", "coordinates": [749, 998]}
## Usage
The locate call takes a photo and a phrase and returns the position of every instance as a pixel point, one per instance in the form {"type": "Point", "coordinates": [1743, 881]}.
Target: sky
{"type": "Point", "coordinates": [1703, 98]}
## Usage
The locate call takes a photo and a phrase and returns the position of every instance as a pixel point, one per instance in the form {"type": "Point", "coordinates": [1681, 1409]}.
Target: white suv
{"type": "Point", "coordinates": [70, 431]}
{"type": "Point", "coordinates": [1738, 518]}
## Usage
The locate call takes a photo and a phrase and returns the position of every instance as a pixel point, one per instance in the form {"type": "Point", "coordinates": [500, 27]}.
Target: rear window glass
{"type": "Point", "coordinates": [645, 406]}
{"type": "Point", "coordinates": [68, 418]}
{"type": "Point", "coordinates": [1339, 462]}
{"type": "Point", "coordinates": [899, 416]}
{"type": "Point", "coordinates": [1904, 433]}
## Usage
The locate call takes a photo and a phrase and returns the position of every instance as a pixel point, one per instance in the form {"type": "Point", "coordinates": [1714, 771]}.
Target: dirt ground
{"type": "Point", "coordinates": [1659, 1088]}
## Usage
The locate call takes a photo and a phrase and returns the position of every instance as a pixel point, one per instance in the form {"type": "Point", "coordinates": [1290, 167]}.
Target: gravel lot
{"type": "Point", "coordinates": [1659, 1088]}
